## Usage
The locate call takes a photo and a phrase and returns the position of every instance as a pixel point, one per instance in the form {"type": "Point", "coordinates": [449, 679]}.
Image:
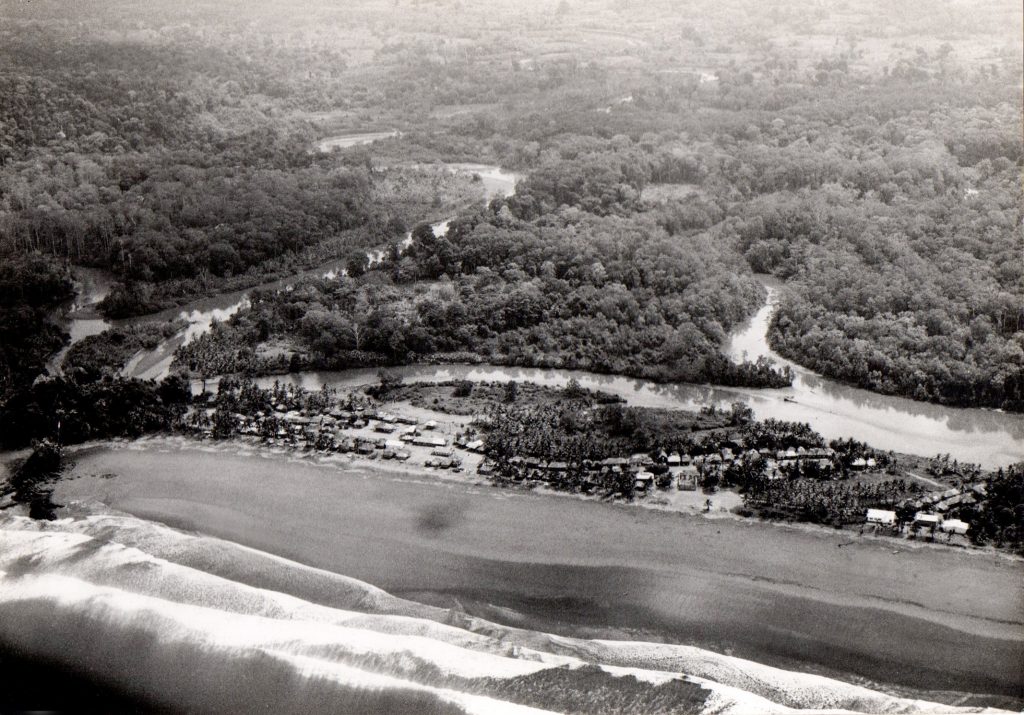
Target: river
{"type": "Point", "coordinates": [988, 437]}
{"type": "Point", "coordinates": [344, 141]}
{"type": "Point", "coordinates": [991, 438]}
{"type": "Point", "coordinates": [83, 319]}
{"type": "Point", "coordinates": [200, 315]}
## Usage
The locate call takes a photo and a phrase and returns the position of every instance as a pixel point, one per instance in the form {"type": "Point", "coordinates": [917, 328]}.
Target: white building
{"type": "Point", "coordinates": [955, 526]}
{"type": "Point", "coordinates": [881, 516]}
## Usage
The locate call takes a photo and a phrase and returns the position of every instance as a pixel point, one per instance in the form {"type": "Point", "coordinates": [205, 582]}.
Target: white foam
{"type": "Point", "coordinates": [117, 576]}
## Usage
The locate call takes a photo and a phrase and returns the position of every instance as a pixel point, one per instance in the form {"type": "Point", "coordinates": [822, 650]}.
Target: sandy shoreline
{"type": "Point", "coordinates": [675, 502]}
{"type": "Point", "coordinates": [927, 618]}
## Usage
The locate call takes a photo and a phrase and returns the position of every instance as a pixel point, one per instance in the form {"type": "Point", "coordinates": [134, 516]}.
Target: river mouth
{"type": "Point", "coordinates": [772, 594]}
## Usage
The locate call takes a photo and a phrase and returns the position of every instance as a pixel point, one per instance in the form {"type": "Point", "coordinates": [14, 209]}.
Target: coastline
{"type": "Point", "coordinates": [741, 561]}
{"type": "Point", "coordinates": [97, 585]}
{"type": "Point", "coordinates": [412, 471]}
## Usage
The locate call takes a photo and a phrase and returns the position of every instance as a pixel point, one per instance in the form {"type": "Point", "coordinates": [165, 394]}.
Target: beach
{"type": "Point", "coordinates": [923, 619]}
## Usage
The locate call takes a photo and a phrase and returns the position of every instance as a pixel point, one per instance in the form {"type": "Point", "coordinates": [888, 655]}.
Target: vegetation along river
{"type": "Point", "coordinates": [988, 437]}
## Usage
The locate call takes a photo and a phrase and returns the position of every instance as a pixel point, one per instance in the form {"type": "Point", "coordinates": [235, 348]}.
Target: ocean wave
{"type": "Point", "coordinates": [189, 622]}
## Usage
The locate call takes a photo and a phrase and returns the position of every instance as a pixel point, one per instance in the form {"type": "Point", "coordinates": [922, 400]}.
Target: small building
{"type": "Point", "coordinates": [477, 445]}
{"type": "Point", "coordinates": [926, 520]}
{"type": "Point", "coordinates": [642, 481]}
{"type": "Point", "coordinates": [859, 463]}
{"type": "Point", "coordinates": [425, 441]}
{"type": "Point", "coordinates": [686, 478]}
{"type": "Point", "coordinates": [881, 516]}
{"type": "Point", "coordinates": [442, 452]}
{"type": "Point", "coordinates": [430, 424]}
{"type": "Point", "coordinates": [674, 459]}
{"type": "Point", "coordinates": [955, 526]}
{"type": "Point", "coordinates": [557, 466]}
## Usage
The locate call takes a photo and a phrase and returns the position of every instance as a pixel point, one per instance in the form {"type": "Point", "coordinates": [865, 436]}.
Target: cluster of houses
{"type": "Point", "coordinates": [922, 520]}
{"type": "Point", "coordinates": [644, 470]}
{"type": "Point", "coordinates": [930, 512]}
{"type": "Point", "coordinates": [776, 462]}
{"type": "Point", "coordinates": [384, 435]}
{"type": "Point", "coordinates": [665, 469]}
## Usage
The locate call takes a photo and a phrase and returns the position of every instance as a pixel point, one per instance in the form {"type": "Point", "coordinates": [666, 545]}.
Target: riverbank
{"type": "Point", "coordinates": [977, 436]}
{"type": "Point", "coordinates": [779, 595]}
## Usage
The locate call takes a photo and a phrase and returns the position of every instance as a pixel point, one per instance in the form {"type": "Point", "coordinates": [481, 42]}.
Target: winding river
{"type": "Point", "coordinates": [91, 286]}
{"type": "Point", "coordinates": [200, 315]}
{"type": "Point", "coordinates": [988, 437]}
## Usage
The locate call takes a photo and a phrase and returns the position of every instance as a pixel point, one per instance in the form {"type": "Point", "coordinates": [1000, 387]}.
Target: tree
{"type": "Point", "coordinates": [386, 382]}
{"type": "Point", "coordinates": [33, 480]}
{"type": "Point", "coordinates": [740, 414]}
{"type": "Point", "coordinates": [573, 389]}
{"type": "Point", "coordinates": [511, 391]}
{"type": "Point", "coordinates": [357, 264]}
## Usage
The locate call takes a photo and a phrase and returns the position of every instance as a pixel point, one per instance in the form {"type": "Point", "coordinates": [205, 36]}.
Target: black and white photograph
{"type": "Point", "coordinates": [508, 357]}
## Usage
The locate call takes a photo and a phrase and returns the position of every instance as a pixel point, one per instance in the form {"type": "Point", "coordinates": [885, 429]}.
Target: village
{"type": "Point", "coordinates": [362, 427]}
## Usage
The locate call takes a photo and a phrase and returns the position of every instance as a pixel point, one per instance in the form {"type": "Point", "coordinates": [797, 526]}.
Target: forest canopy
{"type": "Point", "coordinates": [664, 162]}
